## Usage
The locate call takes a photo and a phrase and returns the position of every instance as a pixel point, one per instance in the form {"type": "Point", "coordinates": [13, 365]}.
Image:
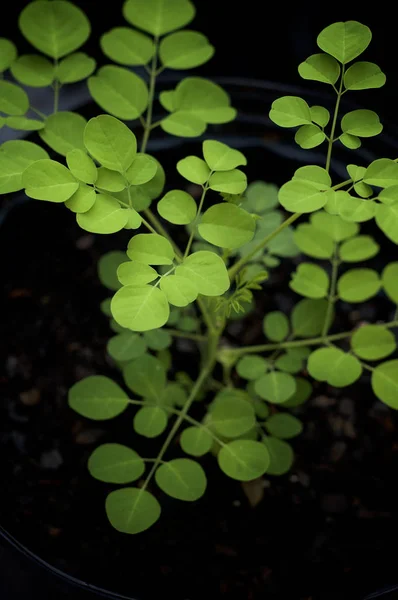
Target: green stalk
{"type": "Point", "coordinates": [297, 343]}
{"type": "Point", "coordinates": [151, 96]}
{"type": "Point", "coordinates": [202, 198]}
{"type": "Point", "coordinates": [334, 122]}
{"type": "Point", "coordinates": [332, 291]}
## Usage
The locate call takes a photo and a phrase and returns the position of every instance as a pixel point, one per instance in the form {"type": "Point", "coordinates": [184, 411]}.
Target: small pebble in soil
{"type": "Point", "coordinates": [51, 459]}
{"type": "Point", "coordinates": [85, 242]}
{"type": "Point", "coordinates": [30, 397]}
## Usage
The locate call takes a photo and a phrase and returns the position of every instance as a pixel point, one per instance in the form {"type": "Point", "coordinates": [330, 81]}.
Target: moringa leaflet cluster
{"type": "Point", "coordinates": [234, 234]}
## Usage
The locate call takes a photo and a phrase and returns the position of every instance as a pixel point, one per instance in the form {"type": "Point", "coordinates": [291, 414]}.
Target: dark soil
{"type": "Point", "coordinates": [327, 530]}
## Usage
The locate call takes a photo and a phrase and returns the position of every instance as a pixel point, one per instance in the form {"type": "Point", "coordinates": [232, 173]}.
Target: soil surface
{"type": "Point", "coordinates": [327, 530]}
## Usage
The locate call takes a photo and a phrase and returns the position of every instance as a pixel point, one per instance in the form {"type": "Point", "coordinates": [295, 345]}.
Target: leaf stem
{"type": "Point", "coordinates": [151, 97]}
{"type": "Point", "coordinates": [194, 224]}
{"type": "Point", "coordinates": [334, 122]}
{"type": "Point", "coordinates": [196, 337]}
{"type": "Point", "coordinates": [297, 343]}
{"type": "Point", "coordinates": [332, 291]}
{"type": "Point", "coordinates": [158, 227]}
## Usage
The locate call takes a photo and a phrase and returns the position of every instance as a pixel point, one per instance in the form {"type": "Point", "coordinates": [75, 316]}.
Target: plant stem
{"type": "Point", "coordinates": [334, 122]}
{"type": "Point", "coordinates": [148, 226]}
{"type": "Point", "coordinates": [204, 374]}
{"type": "Point", "coordinates": [235, 268]}
{"type": "Point", "coordinates": [151, 96]}
{"type": "Point", "coordinates": [232, 271]}
{"type": "Point", "coordinates": [189, 336]}
{"type": "Point", "coordinates": [202, 198]}
{"type": "Point", "coordinates": [332, 291]}
{"type": "Point", "coordinates": [297, 343]}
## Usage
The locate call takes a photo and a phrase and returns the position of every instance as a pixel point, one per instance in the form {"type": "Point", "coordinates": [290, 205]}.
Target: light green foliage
{"type": "Point", "coordinates": [115, 463]}
{"type": "Point", "coordinates": [182, 478]}
{"type": "Point", "coordinates": [55, 28]}
{"type": "Point", "coordinates": [201, 263]}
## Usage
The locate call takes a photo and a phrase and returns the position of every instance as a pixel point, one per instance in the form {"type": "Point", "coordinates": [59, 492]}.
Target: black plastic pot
{"type": "Point", "coordinates": [24, 573]}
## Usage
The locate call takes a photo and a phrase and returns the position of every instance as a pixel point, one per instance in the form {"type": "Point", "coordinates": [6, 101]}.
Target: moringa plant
{"type": "Point", "coordinates": [194, 266]}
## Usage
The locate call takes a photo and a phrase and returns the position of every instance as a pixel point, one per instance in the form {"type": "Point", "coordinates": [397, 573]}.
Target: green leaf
{"type": "Point", "coordinates": [229, 182]}
{"type": "Point", "coordinates": [157, 339]}
{"type": "Point", "coordinates": [276, 326]}
{"type": "Point", "coordinates": [382, 172]}
{"type": "Point", "coordinates": [227, 226]}
{"type": "Point", "coordinates": [290, 111]}
{"type": "Point", "coordinates": [196, 441]}
{"type": "Point", "coordinates": [110, 142]}
{"type": "Point", "coordinates": [135, 273]}
{"type": "Point", "coordinates": [119, 92]}
{"type": "Point", "coordinates": [63, 132]}
{"type": "Point", "coordinates": [275, 387]}
{"type": "Point", "coordinates": [309, 136]}
{"type": "Point", "coordinates": [231, 416]}
{"type": "Point", "coordinates": [8, 53]}
{"type": "Point", "coordinates": [140, 308]}
{"type": "Point", "coordinates": [142, 170]}
{"type": "Point", "coordinates": [49, 180]}
{"type": "Point", "coordinates": [310, 280]}
{"type": "Point", "coordinates": [23, 123]}
{"type": "Point", "coordinates": [183, 124]}
{"type": "Point", "coordinates": [82, 200]}
{"type": "Point", "coordinates": [114, 463]}
{"type": "Point", "coordinates": [300, 196]}
{"type": "Point", "coordinates": [150, 249]}
{"type": "Point", "coordinates": [315, 176]}
{"type": "Point", "coordinates": [125, 346]}
{"type": "Point", "coordinates": [284, 426]}
{"type": "Point", "coordinates": [373, 342]}
{"type": "Point", "coordinates": [185, 50]}
{"type": "Point", "coordinates": [182, 478]}
{"type": "Point", "coordinates": [355, 209]}
{"type": "Point", "coordinates": [344, 40]}
{"type": "Point", "coordinates": [320, 67]}
{"type": "Point", "coordinates": [179, 290]}
{"type": "Point", "coordinates": [110, 181]}
{"type": "Point", "coordinates": [33, 70]}
{"type": "Point", "coordinates": [308, 317]}
{"type": "Point", "coordinates": [146, 376]}
{"type": "Point", "coordinates": [127, 46]}
{"type": "Point", "coordinates": [301, 395]}
{"type": "Point", "coordinates": [389, 278]}
{"type": "Point", "coordinates": [281, 456]}
{"type": "Point", "coordinates": [97, 397]}
{"type": "Point", "coordinates": [150, 421]}
{"type": "Point", "coordinates": [361, 247]}
{"type": "Point", "coordinates": [320, 115]}
{"type": "Point", "coordinates": [107, 267]}
{"type": "Point", "coordinates": [358, 285]}
{"type": "Point", "coordinates": [203, 99]}
{"type": "Point", "coordinates": [15, 157]}
{"type": "Point", "coordinates": [289, 361]}
{"type": "Point", "coordinates": [334, 366]}
{"type": "Point", "coordinates": [221, 157]}
{"type": "Point", "coordinates": [334, 226]}
{"type": "Point", "coordinates": [75, 67]}
{"type": "Point", "coordinates": [132, 510]}
{"type": "Point", "coordinates": [157, 17]}
{"type": "Point", "coordinates": [385, 383]}
{"type": "Point", "coordinates": [363, 76]}
{"type": "Point", "coordinates": [206, 271]}
{"type": "Point", "coordinates": [244, 460]}
{"type": "Point", "coordinates": [55, 28]}
{"type": "Point", "coordinates": [261, 197]}
{"type": "Point", "coordinates": [350, 141]}
{"type": "Point", "coordinates": [388, 195]}
{"type": "Point", "coordinates": [361, 123]}
{"type": "Point", "coordinates": [106, 216]}
{"type": "Point", "coordinates": [13, 99]}
{"type": "Point", "coordinates": [193, 169]}
{"type": "Point", "coordinates": [177, 207]}
{"type": "Point", "coordinates": [251, 367]}
{"type": "Point", "coordinates": [387, 220]}
{"type": "Point", "coordinates": [81, 165]}
{"type": "Point", "coordinates": [313, 241]}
